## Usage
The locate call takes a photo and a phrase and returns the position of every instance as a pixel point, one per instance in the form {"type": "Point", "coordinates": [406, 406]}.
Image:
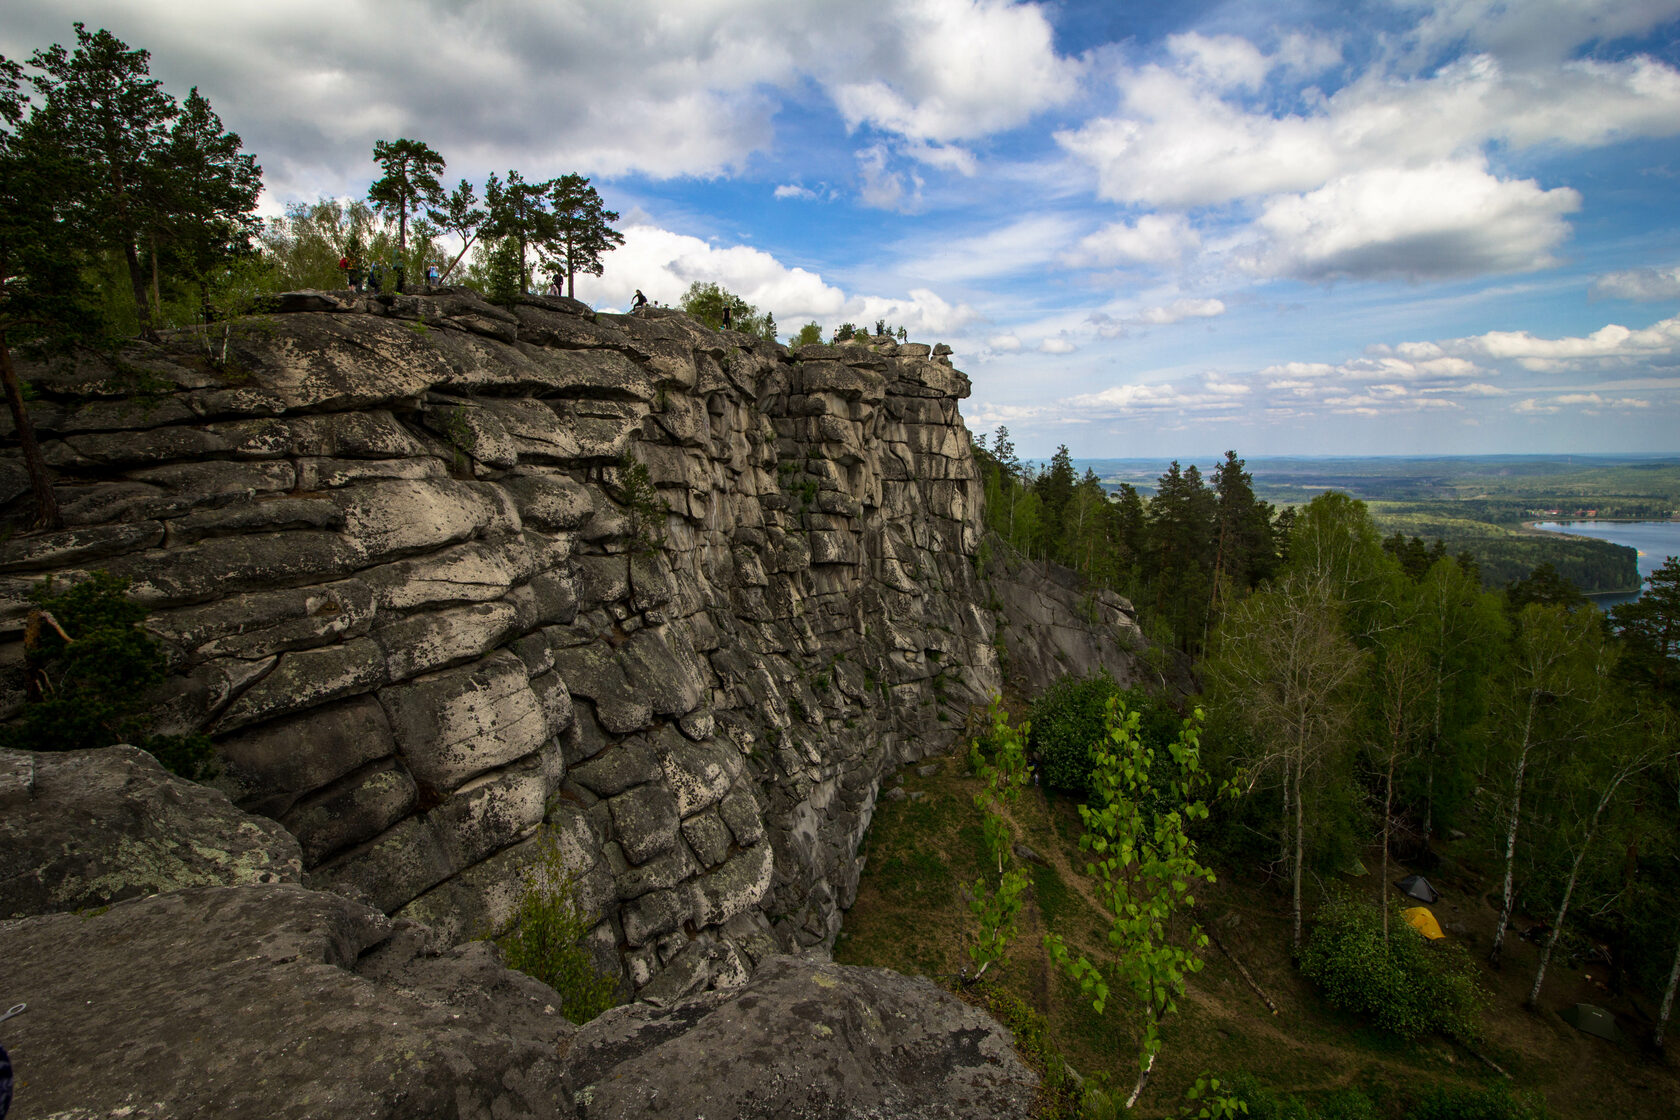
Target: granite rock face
{"type": "Point", "coordinates": [83, 829]}
{"type": "Point", "coordinates": [389, 549]}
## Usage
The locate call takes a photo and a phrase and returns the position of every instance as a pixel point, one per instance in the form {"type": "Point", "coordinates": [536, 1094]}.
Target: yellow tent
{"type": "Point", "coordinates": [1420, 919]}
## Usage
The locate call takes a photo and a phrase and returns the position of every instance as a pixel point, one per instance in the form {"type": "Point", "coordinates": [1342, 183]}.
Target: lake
{"type": "Point", "coordinates": [1655, 540]}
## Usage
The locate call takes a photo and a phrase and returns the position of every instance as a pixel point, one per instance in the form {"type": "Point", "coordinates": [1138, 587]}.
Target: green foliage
{"type": "Point", "coordinates": [1264, 1104]}
{"type": "Point", "coordinates": [89, 692]}
{"type": "Point", "coordinates": [499, 273]}
{"type": "Point", "coordinates": [1058, 1098]}
{"type": "Point", "coordinates": [996, 912]}
{"type": "Point", "coordinates": [547, 938]}
{"type": "Point", "coordinates": [1145, 868]}
{"type": "Point", "coordinates": [1210, 1099]}
{"type": "Point", "coordinates": [1002, 765]}
{"type": "Point", "coordinates": [1408, 986]}
{"type": "Point", "coordinates": [706, 302]}
{"type": "Point", "coordinates": [809, 335]}
{"type": "Point", "coordinates": [1495, 1103]}
{"type": "Point", "coordinates": [582, 229]}
{"type": "Point", "coordinates": [645, 510]}
{"type": "Point", "coordinates": [1067, 720]}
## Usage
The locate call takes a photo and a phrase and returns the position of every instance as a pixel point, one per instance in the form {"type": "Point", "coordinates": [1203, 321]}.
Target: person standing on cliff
{"type": "Point", "coordinates": [726, 317]}
{"type": "Point", "coordinates": [639, 302]}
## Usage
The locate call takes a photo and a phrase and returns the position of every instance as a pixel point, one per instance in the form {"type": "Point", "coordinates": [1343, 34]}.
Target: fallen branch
{"type": "Point", "coordinates": [1491, 1064]}
{"type": "Point", "coordinates": [1242, 971]}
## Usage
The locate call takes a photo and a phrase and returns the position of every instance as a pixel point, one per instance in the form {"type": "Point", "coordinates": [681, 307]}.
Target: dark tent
{"type": "Point", "coordinates": [1592, 1020]}
{"type": "Point", "coordinates": [1416, 886]}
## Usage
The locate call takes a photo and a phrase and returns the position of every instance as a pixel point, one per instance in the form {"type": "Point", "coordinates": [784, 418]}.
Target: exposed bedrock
{"type": "Point", "coordinates": [390, 550]}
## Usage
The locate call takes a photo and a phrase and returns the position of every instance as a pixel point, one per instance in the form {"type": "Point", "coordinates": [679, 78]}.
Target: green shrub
{"type": "Point", "coordinates": [547, 939]}
{"type": "Point", "coordinates": [1411, 989]}
{"type": "Point", "coordinates": [1066, 720]}
{"type": "Point", "coordinates": [1496, 1103]}
{"type": "Point", "coordinates": [88, 692]}
{"type": "Point", "coordinates": [1264, 1104]}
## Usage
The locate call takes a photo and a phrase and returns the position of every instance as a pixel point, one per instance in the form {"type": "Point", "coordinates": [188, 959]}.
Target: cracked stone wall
{"type": "Point", "coordinates": [387, 549]}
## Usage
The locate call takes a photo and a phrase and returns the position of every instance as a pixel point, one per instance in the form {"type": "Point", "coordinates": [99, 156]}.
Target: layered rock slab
{"type": "Point", "coordinates": [82, 829]}
{"type": "Point", "coordinates": [271, 1002]}
{"type": "Point", "coordinates": [802, 1039]}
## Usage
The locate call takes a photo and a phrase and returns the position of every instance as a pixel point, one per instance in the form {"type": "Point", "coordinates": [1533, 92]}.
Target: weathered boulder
{"type": "Point", "coordinates": [83, 829]}
{"type": "Point", "coordinates": [801, 1039]}
{"type": "Point", "coordinates": [270, 1002]}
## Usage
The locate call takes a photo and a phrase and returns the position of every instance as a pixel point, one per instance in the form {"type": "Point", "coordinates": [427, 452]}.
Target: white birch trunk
{"type": "Point", "coordinates": [1668, 999]}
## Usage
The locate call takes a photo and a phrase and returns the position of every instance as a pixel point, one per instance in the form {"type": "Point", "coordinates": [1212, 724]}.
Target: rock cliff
{"type": "Point", "coordinates": [412, 582]}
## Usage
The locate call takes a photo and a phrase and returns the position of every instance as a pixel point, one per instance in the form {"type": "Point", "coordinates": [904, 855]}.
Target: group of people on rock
{"type": "Point", "coordinates": [375, 276]}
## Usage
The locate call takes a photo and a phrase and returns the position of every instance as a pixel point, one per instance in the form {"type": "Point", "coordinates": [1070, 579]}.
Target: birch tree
{"type": "Point", "coordinates": [1290, 674]}
{"type": "Point", "coordinates": [1618, 754]}
{"type": "Point", "coordinates": [1145, 867]}
{"type": "Point", "coordinates": [1555, 677]}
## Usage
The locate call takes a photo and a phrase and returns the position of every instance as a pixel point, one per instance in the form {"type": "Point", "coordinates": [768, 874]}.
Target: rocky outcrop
{"type": "Point", "coordinates": [84, 829]}
{"type": "Point", "coordinates": [1053, 624]}
{"type": "Point", "coordinates": [270, 1002]}
{"type": "Point", "coordinates": [409, 583]}
{"type": "Point", "coordinates": [267, 1002]}
{"type": "Point", "coordinates": [802, 1039]}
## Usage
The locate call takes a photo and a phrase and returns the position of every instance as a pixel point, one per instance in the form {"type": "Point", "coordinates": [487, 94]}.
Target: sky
{"type": "Point", "coordinates": [1364, 227]}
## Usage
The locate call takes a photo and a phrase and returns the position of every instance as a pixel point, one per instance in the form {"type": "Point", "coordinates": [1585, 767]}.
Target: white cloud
{"type": "Point", "coordinates": [595, 86]}
{"type": "Point", "coordinates": [1640, 284]}
{"type": "Point", "coordinates": [1299, 370]}
{"type": "Point", "coordinates": [1152, 239]}
{"type": "Point", "coordinates": [663, 264]}
{"type": "Point", "coordinates": [794, 190]}
{"type": "Point", "coordinates": [1609, 346]}
{"type": "Point", "coordinates": [1222, 62]}
{"type": "Point", "coordinates": [1056, 346]}
{"type": "Point", "coordinates": [883, 188]}
{"type": "Point", "coordinates": [950, 157]}
{"type": "Point", "coordinates": [1029, 242]}
{"type": "Point", "coordinates": [1179, 310]}
{"type": "Point", "coordinates": [941, 70]}
{"type": "Point", "coordinates": [1441, 220]}
{"type": "Point", "coordinates": [1535, 30]}
{"type": "Point", "coordinates": [1004, 343]}
{"type": "Point", "coordinates": [1178, 141]}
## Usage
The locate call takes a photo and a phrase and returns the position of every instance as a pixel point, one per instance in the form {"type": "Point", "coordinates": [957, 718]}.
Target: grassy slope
{"type": "Point", "coordinates": [911, 915]}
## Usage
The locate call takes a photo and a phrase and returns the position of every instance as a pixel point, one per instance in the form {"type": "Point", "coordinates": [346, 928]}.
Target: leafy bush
{"type": "Point", "coordinates": [547, 939]}
{"type": "Point", "coordinates": [1496, 1103]}
{"type": "Point", "coordinates": [1264, 1104]}
{"type": "Point", "coordinates": [1066, 720]}
{"type": "Point", "coordinates": [1412, 988]}
{"type": "Point", "coordinates": [90, 666]}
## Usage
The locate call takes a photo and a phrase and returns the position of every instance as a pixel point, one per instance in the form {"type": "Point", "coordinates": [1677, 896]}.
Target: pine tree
{"type": "Point", "coordinates": [409, 185]}
{"type": "Point", "coordinates": [1650, 626]}
{"type": "Point", "coordinates": [461, 215]}
{"type": "Point", "coordinates": [519, 210]}
{"type": "Point", "coordinates": [41, 289]}
{"type": "Point", "coordinates": [111, 120]}
{"type": "Point", "coordinates": [582, 229]}
{"type": "Point", "coordinates": [212, 186]}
